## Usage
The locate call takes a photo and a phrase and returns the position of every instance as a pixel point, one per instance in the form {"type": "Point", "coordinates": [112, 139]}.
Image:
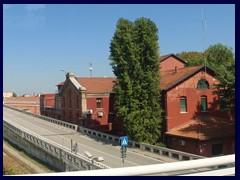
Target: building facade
{"type": "Point", "coordinates": [194, 118]}
{"type": "Point", "coordinates": [83, 101]}
{"type": "Point", "coordinates": [47, 105]}
{"type": "Point", "coordinates": [29, 104]}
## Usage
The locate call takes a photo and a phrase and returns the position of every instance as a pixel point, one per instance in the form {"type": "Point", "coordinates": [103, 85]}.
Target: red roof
{"type": "Point", "coordinates": [204, 128]}
{"type": "Point", "coordinates": [168, 79]}
{"type": "Point", "coordinates": [31, 98]}
{"type": "Point", "coordinates": [95, 84]}
{"type": "Point", "coordinates": [171, 77]}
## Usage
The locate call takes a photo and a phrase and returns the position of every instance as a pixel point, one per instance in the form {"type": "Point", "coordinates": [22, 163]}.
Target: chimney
{"type": "Point", "coordinates": [69, 75]}
{"type": "Point", "coordinates": [176, 69]}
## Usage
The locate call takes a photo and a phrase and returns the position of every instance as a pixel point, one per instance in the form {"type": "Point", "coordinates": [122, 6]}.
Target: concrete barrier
{"type": "Point", "coordinates": [48, 151]}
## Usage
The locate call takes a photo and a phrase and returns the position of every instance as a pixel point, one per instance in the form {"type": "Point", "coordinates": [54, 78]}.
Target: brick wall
{"type": "Point", "coordinates": [170, 64]}
{"type": "Point", "coordinates": [189, 90]}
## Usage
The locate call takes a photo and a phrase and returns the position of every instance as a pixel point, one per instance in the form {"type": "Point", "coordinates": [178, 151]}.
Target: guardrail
{"type": "Point", "coordinates": [160, 168]}
{"type": "Point", "coordinates": [179, 155]}
{"type": "Point", "coordinates": [52, 120]}
{"type": "Point", "coordinates": [76, 160]}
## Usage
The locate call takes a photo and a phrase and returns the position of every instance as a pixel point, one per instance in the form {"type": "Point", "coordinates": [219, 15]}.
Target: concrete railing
{"type": "Point", "coordinates": [52, 120]}
{"type": "Point", "coordinates": [177, 167]}
{"type": "Point", "coordinates": [20, 102]}
{"type": "Point", "coordinates": [179, 155]}
{"type": "Point", "coordinates": [77, 160]}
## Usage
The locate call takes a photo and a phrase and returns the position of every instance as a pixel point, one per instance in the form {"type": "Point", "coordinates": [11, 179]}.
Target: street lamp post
{"type": "Point", "coordinates": [64, 71]}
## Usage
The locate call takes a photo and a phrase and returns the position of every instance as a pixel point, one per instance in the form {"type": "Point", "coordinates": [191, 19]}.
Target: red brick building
{"type": "Point", "coordinates": [83, 101]}
{"type": "Point", "coordinates": [193, 119]}
{"type": "Point", "coordinates": [170, 62]}
{"type": "Point", "coordinates": [47, 105]}
{"type": "Point", "coordinates": [29, 104]}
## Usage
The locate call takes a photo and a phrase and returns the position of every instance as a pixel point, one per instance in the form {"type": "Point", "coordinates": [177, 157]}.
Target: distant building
{"type": "Point", "coordinates": [26, 95]}
{"type": "Point", "coordinates": [7, 94]}
{"type": "Point", "coordinates": [47, 105]}
{"type": "Point", "coordinates": [30, 104]}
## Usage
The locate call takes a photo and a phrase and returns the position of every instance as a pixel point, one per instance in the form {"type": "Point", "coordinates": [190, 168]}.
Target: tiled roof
{"type": "Point", "coordinates": [170, 78]}
{"type": "Point", "coordinates": [95, 84]}
{"type": "Point", "coordinates": [61, 83]}
{"type": "Point", "coordinates": [31, 98]}
{"type": "Point", "coordinates": [205, 128]}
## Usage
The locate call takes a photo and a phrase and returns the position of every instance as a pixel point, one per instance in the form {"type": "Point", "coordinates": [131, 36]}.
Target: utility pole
{"type": "Point", "coordinates": [203, 31]}
{"type": "Point", "coordinates": [91, 68]}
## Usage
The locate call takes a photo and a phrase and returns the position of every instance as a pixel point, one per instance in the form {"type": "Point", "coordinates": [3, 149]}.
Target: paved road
{"type": "Point", "coordinates": [63, 136]}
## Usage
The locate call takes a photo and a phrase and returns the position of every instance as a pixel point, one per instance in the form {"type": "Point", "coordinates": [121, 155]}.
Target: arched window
{"type": "Point", "coordinates": [203, 106]}
{"type": "Point", "coordinates": [183, 104]}
{"type": "Point", "coordinates": [202, 84]}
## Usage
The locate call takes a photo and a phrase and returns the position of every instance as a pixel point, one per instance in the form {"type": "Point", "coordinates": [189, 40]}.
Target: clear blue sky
{"type": "Point", "coordinates": [40, 40]}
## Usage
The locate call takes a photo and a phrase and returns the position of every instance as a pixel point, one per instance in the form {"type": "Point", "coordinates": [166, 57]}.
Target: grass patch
{"type": "Point", "coordinates": [30, 158]}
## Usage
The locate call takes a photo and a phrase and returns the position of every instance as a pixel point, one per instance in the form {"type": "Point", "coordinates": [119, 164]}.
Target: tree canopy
{"type": "Point", "coordinates": [134, 57]}
{"type": "Point", "coordinates": [222, 60]}
{"type": "Point", "coordinates": [193, 58]}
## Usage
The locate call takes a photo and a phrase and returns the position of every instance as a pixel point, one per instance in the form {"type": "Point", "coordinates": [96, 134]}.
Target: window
{"type": "Point", "coordinates": [217, 149]}
{"type": "Point", "coordinates": [223, 103]}
{"type": "Point", "coordinates": [202, 84]}
{"type": "Point", "coordinates": [203, 106]}
{"type": "Point", "coordinates": [183, 104]}
{"type": "Point", "coordinates": [99, 102]}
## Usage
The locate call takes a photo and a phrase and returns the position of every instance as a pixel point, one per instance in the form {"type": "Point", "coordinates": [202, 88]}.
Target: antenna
{"type": "Point", "coordinates": [90, 68]}
{"type": "Point", "coordinates": [203, 32]}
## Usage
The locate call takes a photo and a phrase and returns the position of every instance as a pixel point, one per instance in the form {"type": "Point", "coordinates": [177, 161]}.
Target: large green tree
{"type": "Point", "coordinates": [217, 56]}
{"type": "Point", "coordinates": [193, 58]}
{"type": "Point", "coordinates": [134, 54]}
{"type": "Point", "coordinates": [222, 59]}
